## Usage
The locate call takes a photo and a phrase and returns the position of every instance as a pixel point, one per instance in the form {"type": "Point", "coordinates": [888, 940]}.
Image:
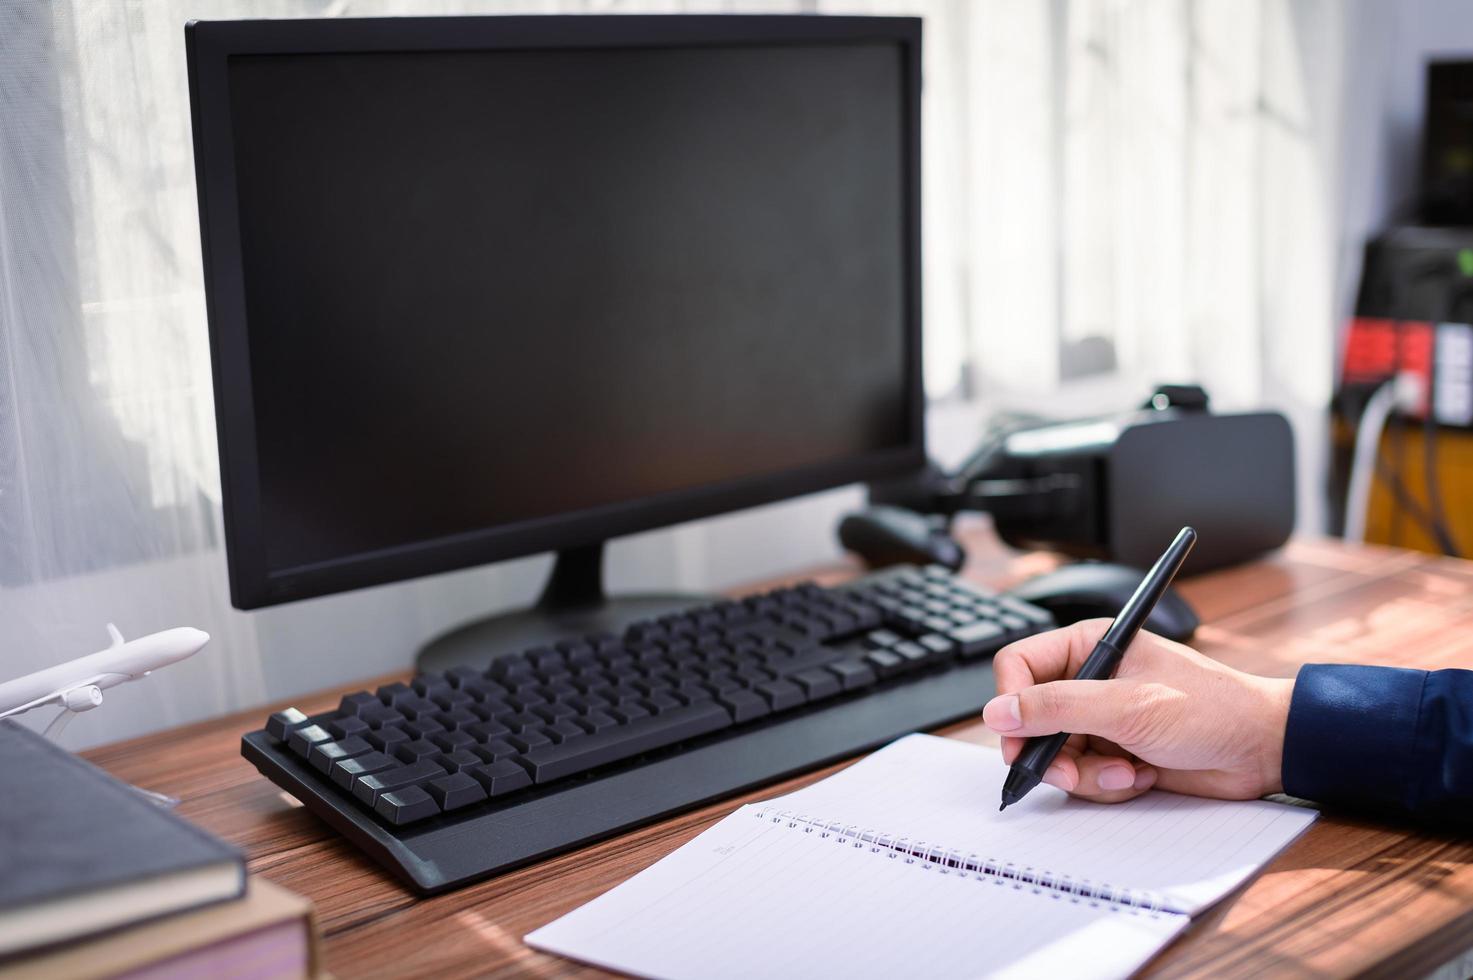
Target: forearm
{"type": "Point", "coordinates": [1383, 739]}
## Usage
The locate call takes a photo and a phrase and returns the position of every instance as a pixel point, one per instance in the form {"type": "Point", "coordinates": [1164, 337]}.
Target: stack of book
{"type": "Point", "coordinates": [98, 881]}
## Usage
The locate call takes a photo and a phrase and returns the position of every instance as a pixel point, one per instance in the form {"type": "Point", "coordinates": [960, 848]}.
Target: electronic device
{"type": "Point", "coordinates": [1091, 589]}
{"type": "Point", "coordinates": [482, 287]}
{"type": "Point", "coordinates": [77, 685]}
{"type": "Point", "coordinates": [466, 773]}
{"type": "Point", "coordinates": [887, 536]}
{"type": "Point", "coordinates": [1408, 359]}
{"type": "Point", "coordinates": [1447, 144]}
{"type": "Point", "coordinates": [1110, 488]}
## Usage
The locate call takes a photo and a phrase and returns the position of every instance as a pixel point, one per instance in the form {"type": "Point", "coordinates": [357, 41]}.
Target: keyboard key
{"type": "Point", "coordinates": [744, 705]}
{"type": "Point", "coordinates": [564, 730]}
{"type": "Point", "coordinates": [817, 683]}
{"type": "Point", "coordinates": [983, 636]}
{"type": "Point", "coordinates": [417, 707]}
{"type": "Point", "coordinates": [451, 741]}
{"type": "Point", "coordinates": [596, 721]}
{"type": "Point", "coordinates": [724, 682]}
{"type": "Point", "coordinates": [693, 692]}
{"type": "Point", "coordinates": [853, 674]}
{"type": "Point", "coordinates": [495, 750]}
{"type": "Point", "coordinates": [913, 654]}
{"type": "Point", "coordinates": [302, 739]}
{"type": "Point", "coordinates": [283, 723]}
{"type": "Point", "coordinates": [431, 685]}
{"type": "Point", "coordinates": [626, 711]}
{"type": "Point", "coordinates": [422, 727]}
{"type": "Point", "coordinates": [529, 739]}
{"type": "Point", "coordinates": [348, 727]}
{"type": "Point", "coordinates": [886, 663]}
{"type": "Point", "coordinates": [406, 805]}
{"type": "Point", "coordinates": [554, 713]}
{"type": "Point", "coordinates": [356, 704]}
{"type": "Point", "coordinates": [1012, 623]}
{"type": "Point", "coordinates": [938, 644]}
{"type": "Point", "coordinates": [391, 694]}
{"type": "Point", "coordinates": [370, 788]}
{"type": "Point", "coordinates": [781, 695]}
{"type": "Point", "coordinates": [416, 750]}
{"type": "Point", "coordinates": [381, 716]}
{"type": "Point", "coordinates": [345, 771]}
{"type": "Point", "coordinates": [805, 660]}
{"type": "Point", "coordinates": [455, 791]}
{"type": "Point", "coordinates": [324, 754]}
{"type": "Point", "coordinates": [457, 719]}
{"type": "Point", "coordinates": [661, 703]}
{"type": "Point", "coordinates": [500, 778]}
{"type": "Point", "coordinates": [485, 731]}
{"type": "Point", "coordinates": [552, 762]}
{"type": "Point", "coordinates": [458, 760]}
{"type": "Point", "coordinates": [483, 689]}
{"type": "Point", "coordinates": [1034, 615]}
{"type": "Point", "coordinates": [387, 739]}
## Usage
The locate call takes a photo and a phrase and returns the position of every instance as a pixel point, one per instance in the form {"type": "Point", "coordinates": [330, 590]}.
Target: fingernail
{"type": "Point", "coordinates": [1145, 777]}
{"type": "Point", "coordinates": [1054, 776]}
{"type": "Point", "coordinates": [1001, 713]}
{"type": "Point", "coordinates": [1116, 777]}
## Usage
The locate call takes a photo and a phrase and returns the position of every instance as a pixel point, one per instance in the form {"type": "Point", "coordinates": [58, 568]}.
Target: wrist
{"type": "Point", "coordinates": [1275, 695]}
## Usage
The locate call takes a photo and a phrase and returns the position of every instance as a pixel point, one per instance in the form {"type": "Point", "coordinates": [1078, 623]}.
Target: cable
{"type": "Point", "coordinates": [1403, 392]}
{"type": "Point", "coordinates": [1430, 442]}
{"type": "Point", "coordinates": [1373, 419]}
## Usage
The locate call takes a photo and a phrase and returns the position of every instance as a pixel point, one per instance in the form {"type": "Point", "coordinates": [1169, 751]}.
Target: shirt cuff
{"type": "Point", "coordinates": [1351, 735]}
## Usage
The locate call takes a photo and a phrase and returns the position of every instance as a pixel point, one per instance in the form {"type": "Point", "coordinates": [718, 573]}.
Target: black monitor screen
{"type": "Point", "coordinates": [490, 287]}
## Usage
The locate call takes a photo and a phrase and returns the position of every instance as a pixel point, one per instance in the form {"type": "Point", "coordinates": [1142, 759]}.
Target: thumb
{"type": "Point", "coordinates": [1078, 707]}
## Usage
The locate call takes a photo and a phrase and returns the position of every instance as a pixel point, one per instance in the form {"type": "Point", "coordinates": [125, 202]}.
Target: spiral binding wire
{"type": "Point", "coordinates": [950, 860]}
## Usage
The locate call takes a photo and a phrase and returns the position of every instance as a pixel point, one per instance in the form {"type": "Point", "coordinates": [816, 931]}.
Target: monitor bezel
{"type": "Point", "coordinates": [210, 45]}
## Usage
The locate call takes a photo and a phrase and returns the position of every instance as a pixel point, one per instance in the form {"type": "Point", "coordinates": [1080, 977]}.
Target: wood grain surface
{"type": "Point", "coordinates": [1348, 898]}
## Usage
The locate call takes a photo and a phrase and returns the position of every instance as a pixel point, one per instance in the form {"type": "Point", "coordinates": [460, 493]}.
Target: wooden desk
{"type": "Point", "coordinates": [1349, 897]}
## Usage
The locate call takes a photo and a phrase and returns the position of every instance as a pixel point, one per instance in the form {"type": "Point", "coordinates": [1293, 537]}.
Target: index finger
{"type": "Point", "coordinates": [1051, 656]}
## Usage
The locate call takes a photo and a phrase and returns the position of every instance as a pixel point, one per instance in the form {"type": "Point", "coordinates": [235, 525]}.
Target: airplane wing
{"type": "Point", "coordinates": [57, 696]}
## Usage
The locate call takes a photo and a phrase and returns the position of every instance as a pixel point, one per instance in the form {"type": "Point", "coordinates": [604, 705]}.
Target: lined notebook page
{"type": "Point", "coordinates": [752, 897]}
{"type": "Point", "coordinates": [944, 792]}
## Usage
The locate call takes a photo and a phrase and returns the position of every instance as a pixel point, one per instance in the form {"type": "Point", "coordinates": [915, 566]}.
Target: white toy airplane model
{"type": "Point", "coordinates": [78, 685]}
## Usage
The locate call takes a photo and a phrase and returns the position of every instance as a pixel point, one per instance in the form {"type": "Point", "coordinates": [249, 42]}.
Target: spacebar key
{"type": "Point", "coordinates": [549, 762]}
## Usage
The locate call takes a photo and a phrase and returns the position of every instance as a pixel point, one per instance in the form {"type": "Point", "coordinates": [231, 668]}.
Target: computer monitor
{"type": "Point", "coordinates": [485, 287]}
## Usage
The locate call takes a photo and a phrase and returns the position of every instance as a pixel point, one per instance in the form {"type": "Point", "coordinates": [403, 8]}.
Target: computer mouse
{"type": "Point", "coordinates": [1088, 589]}
{"type": "Point", "coordinates": [883, 535]}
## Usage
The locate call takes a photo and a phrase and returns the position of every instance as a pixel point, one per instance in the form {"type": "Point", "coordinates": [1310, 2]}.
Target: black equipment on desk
{"type": "Point", "coordinates": [1112, 488]}
{"type": "Point", "coordinates": [467, 773]}
{"type": "Point", "coordinates": [483, 287]}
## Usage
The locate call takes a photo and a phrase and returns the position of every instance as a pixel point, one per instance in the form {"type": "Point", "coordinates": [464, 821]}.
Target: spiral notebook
{"type": "Point", "coordinates": [902, 865]}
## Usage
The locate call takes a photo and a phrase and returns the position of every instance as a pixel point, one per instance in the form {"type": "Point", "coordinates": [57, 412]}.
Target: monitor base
{"type": "Point", "coordinates": [573, 603]}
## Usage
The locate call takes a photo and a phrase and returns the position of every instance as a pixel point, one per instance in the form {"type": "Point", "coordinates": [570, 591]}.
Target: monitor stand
{"type": "Point", "coordinates": [573, 603]}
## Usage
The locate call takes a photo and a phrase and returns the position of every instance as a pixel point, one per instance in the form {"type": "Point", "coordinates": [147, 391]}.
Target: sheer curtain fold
{"type": "Point", "coordinates": [1115, 192]}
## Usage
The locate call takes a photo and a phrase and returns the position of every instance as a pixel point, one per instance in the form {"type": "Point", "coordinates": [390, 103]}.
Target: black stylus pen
{"type": "Point", "coordinates": [1039, 751]}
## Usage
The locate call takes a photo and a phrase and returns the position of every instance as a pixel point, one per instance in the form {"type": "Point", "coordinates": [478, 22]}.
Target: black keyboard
{"type": "Point", "coordinates": [462, 775]}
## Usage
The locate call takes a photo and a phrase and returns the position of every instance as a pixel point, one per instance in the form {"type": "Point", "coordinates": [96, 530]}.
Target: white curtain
{"type": "Point", "coordinates": [1116, 192]}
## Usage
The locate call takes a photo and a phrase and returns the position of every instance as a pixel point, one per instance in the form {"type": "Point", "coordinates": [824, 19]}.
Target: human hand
{"type": "Point", "coordinates": [1170, 717]}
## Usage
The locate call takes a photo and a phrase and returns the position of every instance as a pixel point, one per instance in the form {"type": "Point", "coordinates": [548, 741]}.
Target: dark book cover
{"type": "Point", "coordinates": [81, 852]}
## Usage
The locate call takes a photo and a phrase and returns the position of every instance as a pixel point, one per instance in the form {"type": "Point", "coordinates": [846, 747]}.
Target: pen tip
{"type": "Point", "coordinates": [1001, 807]}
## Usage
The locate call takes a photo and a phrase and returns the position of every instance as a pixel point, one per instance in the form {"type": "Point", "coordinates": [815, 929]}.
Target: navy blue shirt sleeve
{"type": "Point", "coordinates": [1383, 739]}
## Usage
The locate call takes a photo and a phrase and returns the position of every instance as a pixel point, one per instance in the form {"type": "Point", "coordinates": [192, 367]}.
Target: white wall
{"type": "Point", "coordinates": [1388, 43]}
